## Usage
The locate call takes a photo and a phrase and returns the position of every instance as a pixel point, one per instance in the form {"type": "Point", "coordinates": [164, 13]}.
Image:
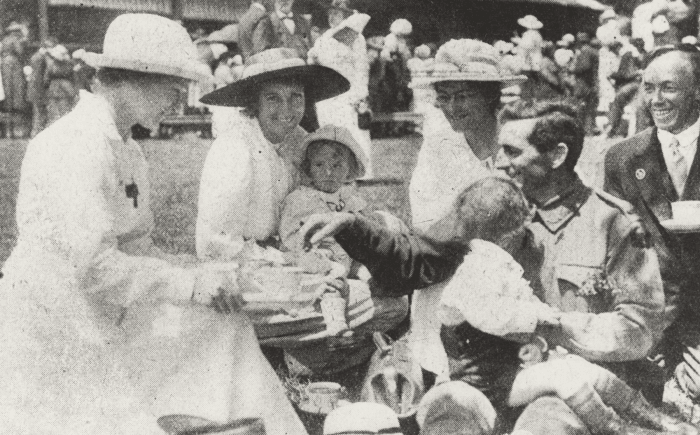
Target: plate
{"type": "Point", "coordinates": [284, 325]}
{"type": "Point", "coordinates": [680, 226]}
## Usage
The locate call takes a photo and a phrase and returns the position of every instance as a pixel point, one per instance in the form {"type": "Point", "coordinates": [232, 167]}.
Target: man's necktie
{"type": "Point", "coordinates": [677, 167]}
{"type": "Point", "coordinates": [288, 21]}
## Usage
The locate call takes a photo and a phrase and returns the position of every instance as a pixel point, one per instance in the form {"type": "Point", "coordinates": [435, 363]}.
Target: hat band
{"type": "Point", "coordinates": [260, 68]}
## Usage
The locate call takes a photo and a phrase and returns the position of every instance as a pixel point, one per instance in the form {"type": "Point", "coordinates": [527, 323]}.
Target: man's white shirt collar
{"type": "Point", "coordinates": [686, 138]}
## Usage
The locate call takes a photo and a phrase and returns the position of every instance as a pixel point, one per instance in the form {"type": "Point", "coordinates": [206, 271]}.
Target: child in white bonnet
{"type": "Point", "coordinates": [488, 307]}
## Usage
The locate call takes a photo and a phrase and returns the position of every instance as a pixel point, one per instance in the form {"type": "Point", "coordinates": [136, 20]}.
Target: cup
{"type": "Point", "coordinates": [686, 211]}
{"type": "Point", "coordinates": [323, 396]}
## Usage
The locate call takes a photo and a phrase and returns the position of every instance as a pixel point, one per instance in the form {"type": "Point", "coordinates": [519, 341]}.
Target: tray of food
{"type": "Point", "coordinates": [279, 297]}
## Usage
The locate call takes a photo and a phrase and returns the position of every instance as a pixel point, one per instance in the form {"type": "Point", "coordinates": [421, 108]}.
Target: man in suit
{"type": "Point", "coordinates": [255, 33]}
{"type": "Point", "coordinates": [36, 89]}
{"type": "Point", "coordinates": [291, 30]}
{"type": "Point", "coordinates": [655, 168]}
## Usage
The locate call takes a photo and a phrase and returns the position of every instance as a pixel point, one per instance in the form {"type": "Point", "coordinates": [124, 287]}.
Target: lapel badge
{"type": "Point", "coordinates": [640, 174]}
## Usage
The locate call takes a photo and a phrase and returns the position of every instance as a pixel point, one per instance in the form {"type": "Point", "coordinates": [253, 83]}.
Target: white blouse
{"type": "Point", "coordinates": [446, 166]}
{"type": "Point", "coordinates": [244, 183]}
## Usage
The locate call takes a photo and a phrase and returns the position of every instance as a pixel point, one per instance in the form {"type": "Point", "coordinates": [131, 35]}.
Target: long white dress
{"type": "Point", "coordinates": [353, 64]}
{"type": "Point", "coordinates": [99, 334]}
{"type": "Point", "coordinates": [446, 166]}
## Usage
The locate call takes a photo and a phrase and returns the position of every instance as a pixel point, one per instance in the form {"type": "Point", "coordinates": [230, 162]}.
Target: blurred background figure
{"type": "Point", "coordinates": [83, 74]}
{"type": "Point", "coordinates": [255, 32]}
{"type": "Point", "coordinates": [61, 94]}
{"type": "Point", "coordinates": [14, 82]}
{"type": "Point", "coordinates": [395, 93]}
{"type": "Point", "coordinates": [290, 30]}
{"type": "Point", "coordinates": [584, 67]}
{"type": "Point", "coordinates": [530, 46]}
{"type": "Point", "coordinates": [423, 94]}
{"type": "Point", "coordinates": [36, 89]}
{"type": "Point", "coordinates": [223, 73]}
{"type": "Point", "coordinates": [377, 69]}
{"type": "Point", "coordinates": [545, 83]}
{"type": "Point", "coordinates": [344, 49]}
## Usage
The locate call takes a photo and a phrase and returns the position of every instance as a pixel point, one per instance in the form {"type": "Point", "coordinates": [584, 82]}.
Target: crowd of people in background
{"type": "Point", "coordinates": [535, 302]}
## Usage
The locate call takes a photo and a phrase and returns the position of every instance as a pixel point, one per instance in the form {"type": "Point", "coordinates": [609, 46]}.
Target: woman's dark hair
{"type": "Point", "coordinates": [251, 108]}
{"type": "Point", "coordinates": [556, 123]}
{"type": "Point", "coordinates": [115, 76]}
{"type": "Point", "coordinates": [306, 165]}
{"type": "Point", "coordinates": [488, 209]}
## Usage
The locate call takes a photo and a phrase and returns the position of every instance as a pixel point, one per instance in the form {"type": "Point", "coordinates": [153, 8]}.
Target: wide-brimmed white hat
{"type": "Point", "coordinates": [362, 418]}
{"type": "Point", "coordinates": [467, 60]}
{"type": "Point", "coordinates": [343, 136]}
{"type": "Point", "coordinates": [356, 22]}
{"type": "Point", "coordinates": [150, 44]}
{"type": "Point", "coordinates": [319, 82]}
{"type": "Point", "coordinates": [530, 22]}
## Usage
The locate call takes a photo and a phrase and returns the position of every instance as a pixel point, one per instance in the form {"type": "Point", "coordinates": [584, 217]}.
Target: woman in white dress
{"type": "Point", "coordinates": [343, 48]}
{"type": "Point", "coordinates": [253, 163]}
{"type": "Point", "coordinates": [102, 333]}
{"type": "Point", "coordinates": [459, 147]}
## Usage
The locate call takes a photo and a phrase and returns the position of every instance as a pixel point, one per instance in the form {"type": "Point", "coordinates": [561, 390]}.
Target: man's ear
{"type": "Point", "coordinates": [558, 155]}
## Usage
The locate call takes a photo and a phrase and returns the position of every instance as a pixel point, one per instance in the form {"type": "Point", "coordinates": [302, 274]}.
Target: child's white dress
{"type": "Point", "coordinates": [489, 292]}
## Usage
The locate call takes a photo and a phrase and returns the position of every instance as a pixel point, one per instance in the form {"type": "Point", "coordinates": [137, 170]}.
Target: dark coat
{"type": "Point", "coordinates": [635, 171]}
{"type": "Point", "coordinates": [36, 94]}
{"type": "Point", "coordinates": [13, 81]}
{"type": "Point", "coordinates": [300, 40]}
{"type": "Point", "coordinates": [255, 32]}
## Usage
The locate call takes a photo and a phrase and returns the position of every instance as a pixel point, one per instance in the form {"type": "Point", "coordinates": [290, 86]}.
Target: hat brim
{"type": "Point", "coordinates": [505, 80]}
{"type": "Point", "coordinates": [190, 72]}
{"type": "Point", "coordinates": [530, 25]}
{"type": "Point", "coordinates": [320, 83]}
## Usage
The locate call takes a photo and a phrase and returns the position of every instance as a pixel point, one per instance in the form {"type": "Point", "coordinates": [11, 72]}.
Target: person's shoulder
{"type": "Point", "coordinates": [627, 147]}
{"type": "Point", "coordinates": [621, 219]}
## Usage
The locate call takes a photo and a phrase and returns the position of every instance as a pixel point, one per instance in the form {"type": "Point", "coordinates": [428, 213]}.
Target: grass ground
{"type": "Point", "coordinates": [176, 165]}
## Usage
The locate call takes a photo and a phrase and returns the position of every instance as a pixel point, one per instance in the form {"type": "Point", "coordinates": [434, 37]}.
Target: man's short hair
{"type": "Point", "coordinates": [689, 50]}
{"type": "Point", "coordinates": [557, 122]}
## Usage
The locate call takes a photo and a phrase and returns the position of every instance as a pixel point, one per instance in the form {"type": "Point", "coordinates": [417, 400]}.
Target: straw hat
{"type": "Point", "coordinates": [401, 27]}
{"type": "Point", "coordinates": [608, 14]}
{"type": "Point", "coordinates": [59, 52]}
{"type": "Point", "coordinates": [530, 22]}
{"type": "Point", "coordinates": [356, 22]}
{"type": "Point", "coordinates": [14, 27]}
{"type": "Point", "coordinates": [320, 82]}
{"type": "Point", "coordinates": [467, 60]}
{"type": "Point", "coordinates": [362, 418]}
{"type": "Point", "coordinates": [150, 44]}
{"type": "Point", "coordinates": [343, 136]}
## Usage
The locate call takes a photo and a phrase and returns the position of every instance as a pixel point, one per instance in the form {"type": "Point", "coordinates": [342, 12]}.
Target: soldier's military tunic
{"type": "Point", "coordinates": [607, 272]}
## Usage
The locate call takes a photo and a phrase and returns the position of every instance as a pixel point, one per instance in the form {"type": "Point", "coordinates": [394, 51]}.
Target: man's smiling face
{"type": "Point", "coordinates": [670, 92]}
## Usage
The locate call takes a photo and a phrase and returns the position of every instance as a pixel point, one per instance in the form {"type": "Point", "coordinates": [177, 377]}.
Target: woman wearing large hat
{"type": "Point", "coordinates": [250, 169]}
{"type": "Point", "coordinates": [459, 147]}
{"type": "Point", "coordinates": [102, 332]}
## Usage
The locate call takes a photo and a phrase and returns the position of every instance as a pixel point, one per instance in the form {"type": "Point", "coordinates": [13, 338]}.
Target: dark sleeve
{"type": "Point", "coordinates": [399, 263]}
{"type": "Point", "coordinates": [613, 183]}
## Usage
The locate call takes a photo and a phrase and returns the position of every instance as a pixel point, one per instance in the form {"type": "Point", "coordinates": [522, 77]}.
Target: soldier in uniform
{"type": "Point", "coordinates": [605, 270]}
